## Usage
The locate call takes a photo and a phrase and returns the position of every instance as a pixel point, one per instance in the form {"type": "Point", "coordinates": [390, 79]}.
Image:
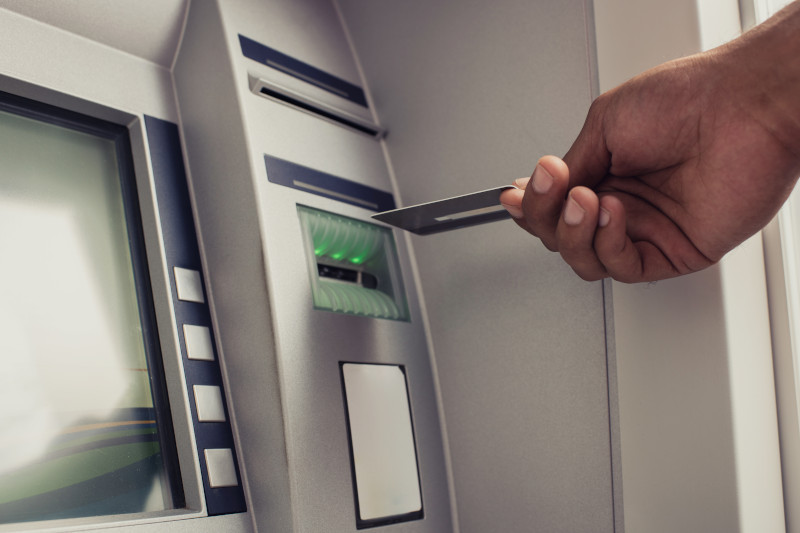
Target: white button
{"type": "Point", "coordinates": [198, 342]}
{"type": "Point", "coordinates": [221, 471]}
{"type": "Point", "coordinates": [189, 285]}
{"type": "Point", "coordinates": [208, 400]}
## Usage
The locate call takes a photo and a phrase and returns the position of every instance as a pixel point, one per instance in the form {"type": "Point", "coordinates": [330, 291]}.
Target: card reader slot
{"type": "Point", "coordinates": [347, 275]}
{"type": "Point", "coordinates": [353, 266]}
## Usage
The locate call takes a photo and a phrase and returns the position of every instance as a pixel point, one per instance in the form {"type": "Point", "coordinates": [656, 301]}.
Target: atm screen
{"type": "Point", "coordinates": [85, 423]}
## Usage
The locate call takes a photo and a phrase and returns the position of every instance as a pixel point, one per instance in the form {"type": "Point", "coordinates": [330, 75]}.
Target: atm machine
{"type": "Point", "coordinates": [203, 329]}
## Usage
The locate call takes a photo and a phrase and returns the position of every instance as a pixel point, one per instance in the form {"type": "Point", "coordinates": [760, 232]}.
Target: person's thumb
{"type": "Point", "coordinates": [589, 159]}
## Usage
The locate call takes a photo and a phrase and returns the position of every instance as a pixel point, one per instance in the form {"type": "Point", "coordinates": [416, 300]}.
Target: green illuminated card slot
{"type": "Point", "coordinates": [353, 266]}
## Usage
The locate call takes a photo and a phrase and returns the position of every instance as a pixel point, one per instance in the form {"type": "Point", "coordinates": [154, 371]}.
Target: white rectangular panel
{"type": "Point", "coordinates": [208, 401]}
{"type": "Point", "coordinates": [189, 285]}
{"type": "Point", "coordinates": [198, 342]}
{"type": "Point", "coordinates": [382, 441]}
{"type": "Point", "coordinates": [221, 468]}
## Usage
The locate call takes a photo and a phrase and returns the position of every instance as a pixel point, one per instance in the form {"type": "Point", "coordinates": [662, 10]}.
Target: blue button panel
{"type": "Point", "coordinates": [183, 258]}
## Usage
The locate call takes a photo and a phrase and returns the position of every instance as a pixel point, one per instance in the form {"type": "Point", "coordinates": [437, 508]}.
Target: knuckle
{"type": "Point", "coordinates": [586, 265]}
{"type": "Point", "coordinates": [549, 244]}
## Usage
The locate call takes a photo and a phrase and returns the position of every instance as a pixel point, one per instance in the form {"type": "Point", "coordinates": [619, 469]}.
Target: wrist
{"type": "Point", "coordinates": [763, 69]}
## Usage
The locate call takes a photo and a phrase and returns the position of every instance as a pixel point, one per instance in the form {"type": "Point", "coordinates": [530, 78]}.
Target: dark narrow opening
{"type": "Point", "coordinates": [318, 111]}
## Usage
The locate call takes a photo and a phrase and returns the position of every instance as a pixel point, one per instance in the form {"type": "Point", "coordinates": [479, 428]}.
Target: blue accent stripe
{"type": "Point", "coordinates": [307, 179]}
{"type": "Point", "coordinates": [302, 71]}
{"type": "Point", "coordinates": [181, 248]}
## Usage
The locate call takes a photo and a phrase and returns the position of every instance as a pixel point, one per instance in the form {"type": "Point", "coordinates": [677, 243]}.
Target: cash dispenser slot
{"type": "Point", "coordinates": [341, 90]}
{"type": "Point", "coordinates": [312, 106]}
{"type": "Point", "coordinates": [301, 70]}
{"type": "Point", "coordinates": [353, 266]}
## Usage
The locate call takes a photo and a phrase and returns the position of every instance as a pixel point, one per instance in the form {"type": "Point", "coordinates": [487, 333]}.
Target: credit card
{"type": "Point", "coordinates": [451, 213]}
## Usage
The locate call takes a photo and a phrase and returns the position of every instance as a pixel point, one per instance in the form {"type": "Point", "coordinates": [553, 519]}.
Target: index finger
{"type": "Point", "coordinates": [544, 199]}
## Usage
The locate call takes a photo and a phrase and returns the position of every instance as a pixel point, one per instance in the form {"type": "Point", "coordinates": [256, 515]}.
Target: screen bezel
{"type": "Point", "coordinates": [119, 135]}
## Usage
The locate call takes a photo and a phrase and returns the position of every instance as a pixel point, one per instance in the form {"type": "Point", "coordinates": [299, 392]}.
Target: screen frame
{"type": "Point", "coordinates": [119, 135]}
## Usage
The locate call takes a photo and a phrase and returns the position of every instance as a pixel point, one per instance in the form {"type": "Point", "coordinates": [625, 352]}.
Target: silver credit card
{"type": "Point", "coordinates": [448, 214]}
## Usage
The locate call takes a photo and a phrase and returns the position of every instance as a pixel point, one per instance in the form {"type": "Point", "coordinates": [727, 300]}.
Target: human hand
{"type": "Point", "coordinates": [671, 170]}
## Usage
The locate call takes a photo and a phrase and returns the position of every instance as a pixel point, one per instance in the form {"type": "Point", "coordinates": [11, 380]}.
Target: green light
{"type": "Point", "coordinates": [337, 238]}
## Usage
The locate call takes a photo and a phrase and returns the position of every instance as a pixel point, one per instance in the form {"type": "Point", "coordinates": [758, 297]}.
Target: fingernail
{"type": "Point", "coordinates": [573, 212]}
{"type": "Point", "coordinates": [514, 211]}
{"type": "Point", "coordinates": [521, 183]}
{"type": "Point", "coordinates": [604, 218]}
{"type": "Point", "coordinates": [542, 180]}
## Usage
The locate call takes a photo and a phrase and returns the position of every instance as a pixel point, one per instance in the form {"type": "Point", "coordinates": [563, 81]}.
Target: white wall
{"type": "Point", "coordinates": [783, 267]}
{"type": "Point", "coordinates": [696, 391]}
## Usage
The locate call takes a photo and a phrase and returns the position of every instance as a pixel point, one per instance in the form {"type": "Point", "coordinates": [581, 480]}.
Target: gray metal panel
{"type": "Point", "coordinates": [281, 356]}
{"type": "Point", "coordinates": [472, 94]}
{"type": "Point", "coordinates": [149, 29]}
{"type": "Point", "coordinates": [231, 248]}
{"type": "Point", "coordinates": [675, 412]}
{"type": "Point", "coordinates": [51, 58]}
{"type": "Point", "coordinates": [310, 346]}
